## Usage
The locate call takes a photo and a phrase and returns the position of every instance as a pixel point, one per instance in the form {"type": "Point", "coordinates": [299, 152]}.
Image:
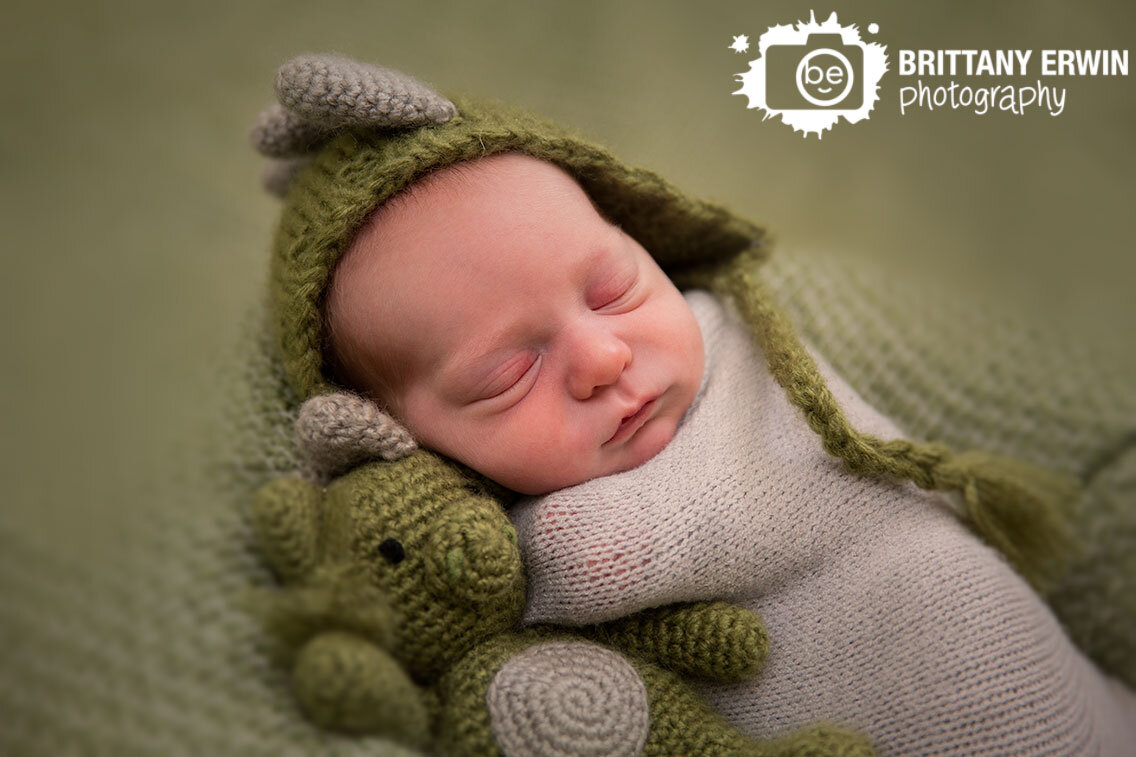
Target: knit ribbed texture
{"type": "Point", "coordinates": [884, 613]}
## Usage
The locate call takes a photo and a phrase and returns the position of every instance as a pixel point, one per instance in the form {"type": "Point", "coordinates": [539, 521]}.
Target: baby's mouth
{"type": "Point", "coordinates": [632, 423]}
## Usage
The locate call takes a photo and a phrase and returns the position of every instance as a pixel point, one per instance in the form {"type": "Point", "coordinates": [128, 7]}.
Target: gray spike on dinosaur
{"type": "Point", "coordinates": [337, 431]}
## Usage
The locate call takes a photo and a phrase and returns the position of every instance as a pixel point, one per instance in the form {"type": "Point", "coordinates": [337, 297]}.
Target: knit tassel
{"type": "Point", "coordinates": [1019, 509]}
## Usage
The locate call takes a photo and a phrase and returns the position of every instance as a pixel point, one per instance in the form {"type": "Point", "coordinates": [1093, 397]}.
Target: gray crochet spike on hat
{"type": "Point", "coordinates": [322, 95]}
{"type": "Point", "coordinates": [340, 92]}
{"type": "Point", "coordinates": [280, 133]}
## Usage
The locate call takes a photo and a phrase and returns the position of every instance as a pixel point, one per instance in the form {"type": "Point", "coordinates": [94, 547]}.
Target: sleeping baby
{"type": "Point", "coordinates": [526, 336]}
{"type": "Point", "coordinates": [505, 293]}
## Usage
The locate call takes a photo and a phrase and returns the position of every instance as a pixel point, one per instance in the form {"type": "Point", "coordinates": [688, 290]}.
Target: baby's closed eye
{"type": "Point", "coordinates": [615, 286]}
{"type": "Point", "coordinates": [505, 383]}
{"type": "Point", "coordinates": [610, 290]}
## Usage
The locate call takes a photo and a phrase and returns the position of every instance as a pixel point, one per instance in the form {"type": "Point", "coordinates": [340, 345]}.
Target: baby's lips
{"type": "Point", "coordinates": [636, 418]}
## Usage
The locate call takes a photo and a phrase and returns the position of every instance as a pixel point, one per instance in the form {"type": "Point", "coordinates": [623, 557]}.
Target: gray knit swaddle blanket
{"type": "Point", "coordinates": [885, 613]}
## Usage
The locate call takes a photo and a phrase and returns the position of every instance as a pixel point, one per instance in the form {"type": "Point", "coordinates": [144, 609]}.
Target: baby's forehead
{"type": "Point", "coordinates": [487, 197]}
{"type": "Point", "coordinates": [480, 175]}
{"type": "Point", "coordinates": [472, 204]}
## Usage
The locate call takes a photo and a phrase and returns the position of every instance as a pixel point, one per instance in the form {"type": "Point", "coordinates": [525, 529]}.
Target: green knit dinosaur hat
{"type": "Point", "coordinates": [357, 169]}
{"type": "Point", "coordinates": [347, 136]}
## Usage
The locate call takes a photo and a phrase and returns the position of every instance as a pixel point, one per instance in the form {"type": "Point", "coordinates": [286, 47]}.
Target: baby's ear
{"type": "Point", "coordinates": [338, 431]}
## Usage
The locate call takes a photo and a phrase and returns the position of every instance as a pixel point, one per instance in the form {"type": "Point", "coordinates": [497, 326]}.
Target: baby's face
{"type": "Point", "coordinates": [541, 346]}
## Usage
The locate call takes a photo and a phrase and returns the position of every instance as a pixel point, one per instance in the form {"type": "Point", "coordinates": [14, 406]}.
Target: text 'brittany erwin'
{"type": "Point", "coordinates": [1012, 62]}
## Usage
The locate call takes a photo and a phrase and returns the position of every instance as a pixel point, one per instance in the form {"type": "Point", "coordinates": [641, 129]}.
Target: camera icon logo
{"type": "Point", "coordinates": [821, 73]}
{"type": "Point", "coordinates": [814, 74]}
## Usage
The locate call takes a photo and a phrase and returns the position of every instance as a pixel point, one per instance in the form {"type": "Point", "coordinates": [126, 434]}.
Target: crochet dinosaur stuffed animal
{"type": "Point", "coordinates": [401, 616]}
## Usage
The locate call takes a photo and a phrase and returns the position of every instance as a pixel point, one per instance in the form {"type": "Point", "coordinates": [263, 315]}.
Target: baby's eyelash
{"type": "Point", "coordinates": [621, 298]}
{"type": "Point", "coordinates": [494, 392]}
{"type": "Point", "coordinates": [615, 284]}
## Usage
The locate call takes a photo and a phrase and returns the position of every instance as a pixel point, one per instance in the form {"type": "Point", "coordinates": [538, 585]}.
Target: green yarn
{"type": "Point", "coordinates": [714, 640]}
{"type": "Point", "coordinates": [290, 508]}
{"type": "Point", "coordinates": [333, 598]}
{"type": "Point", "coordinates": [712, 740]}
{"type": "Point", "coordinates": [682, 723]}
{"type": "Point", "coordinates": [424, 504]}
{"type": "Point", "coordinates": [339, 678]}
{"type": "Point", "coordinates": [1019, 509]}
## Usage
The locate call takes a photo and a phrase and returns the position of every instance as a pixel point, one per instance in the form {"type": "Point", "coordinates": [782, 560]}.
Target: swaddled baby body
{"type": "Point", "coordinates": [885, 612]}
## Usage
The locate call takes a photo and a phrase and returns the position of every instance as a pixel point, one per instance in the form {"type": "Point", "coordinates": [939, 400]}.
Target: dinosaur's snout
{"type": "Point", "coordinates": [474, 558]}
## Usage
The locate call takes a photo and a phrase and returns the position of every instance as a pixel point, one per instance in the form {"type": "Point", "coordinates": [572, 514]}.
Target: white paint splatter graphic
{"type": "Point", "coordinates": [814, 75]}
{"type": "Point", "coordinates": [740, 44]}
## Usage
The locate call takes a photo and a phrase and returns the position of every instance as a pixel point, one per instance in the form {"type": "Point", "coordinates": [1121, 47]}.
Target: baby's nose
{"type": "Point", "coordinates": [600, 361]}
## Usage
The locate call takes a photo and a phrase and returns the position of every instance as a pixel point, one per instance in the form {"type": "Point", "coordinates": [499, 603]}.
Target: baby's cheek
{"type": "Point", "coordinates": [539, 459]}
{"type": "Point", "coordinates": [581, 434]}
{"type": "Point", "coordinates": [542, 446]}
{"type": "Point", "coordinates": [569, 441]}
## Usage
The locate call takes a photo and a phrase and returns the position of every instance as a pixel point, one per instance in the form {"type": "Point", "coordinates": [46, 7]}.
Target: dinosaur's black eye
{"type": "Point", "coordinates": [392, 550]}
